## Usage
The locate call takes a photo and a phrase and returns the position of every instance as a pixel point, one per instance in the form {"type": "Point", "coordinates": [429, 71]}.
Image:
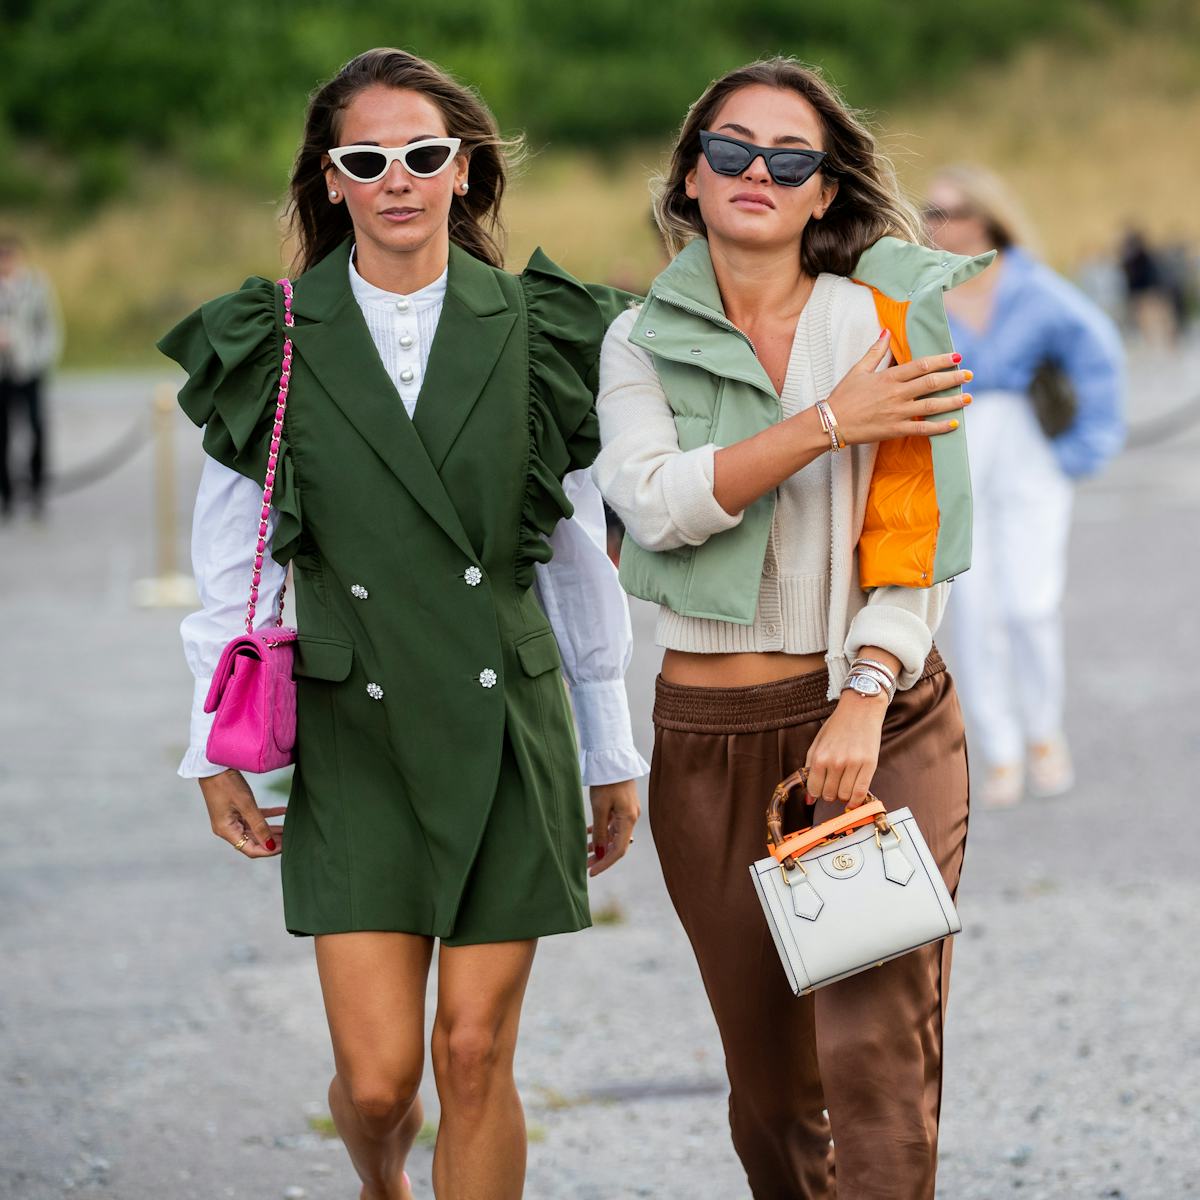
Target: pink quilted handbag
{"type": "Point", "coordinates": [253, 693]}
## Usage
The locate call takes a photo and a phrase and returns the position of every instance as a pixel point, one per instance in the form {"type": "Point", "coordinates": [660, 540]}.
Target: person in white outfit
{"type": "Point", "coordinates": [1013, 322]}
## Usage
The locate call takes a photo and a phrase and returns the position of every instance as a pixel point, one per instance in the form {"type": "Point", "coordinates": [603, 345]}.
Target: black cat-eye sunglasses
{"type": "Point", "coordinates": [787, 165]}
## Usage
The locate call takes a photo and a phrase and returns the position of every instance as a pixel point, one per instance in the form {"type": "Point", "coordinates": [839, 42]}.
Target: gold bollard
{"type": "Point", "coordinates": [169, 588]}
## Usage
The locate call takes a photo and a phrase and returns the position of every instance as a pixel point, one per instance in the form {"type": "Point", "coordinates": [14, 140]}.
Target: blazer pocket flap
{"type": "Point", "coordinates": [539, 653]}
{"type": "Point", "coordinates": [323, 658]}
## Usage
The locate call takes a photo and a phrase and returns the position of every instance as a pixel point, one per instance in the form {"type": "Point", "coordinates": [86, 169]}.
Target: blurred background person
{"type": "Point", "coordinates": [1150, 306]}
{"type": "Point", "coordinates": [1016, 323]}
{"type": "Point", "coordinates": [30, 341]}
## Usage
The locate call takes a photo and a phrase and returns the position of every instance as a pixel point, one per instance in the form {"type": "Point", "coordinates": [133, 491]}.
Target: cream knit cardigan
{"type": "Point", "coordinates": [664, 495]}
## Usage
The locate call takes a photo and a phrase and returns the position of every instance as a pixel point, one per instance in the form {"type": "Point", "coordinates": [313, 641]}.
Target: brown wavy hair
{"type": "Point", "coordinates": [868, 203]}
{"type": "Point", "coordinates": [475, 224]}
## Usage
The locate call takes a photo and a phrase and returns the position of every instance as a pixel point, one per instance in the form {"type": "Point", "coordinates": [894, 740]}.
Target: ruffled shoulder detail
{"type": "Point", "coordinates": [567, 321]}
{"type": "Point", "coordinates": [231, 349]}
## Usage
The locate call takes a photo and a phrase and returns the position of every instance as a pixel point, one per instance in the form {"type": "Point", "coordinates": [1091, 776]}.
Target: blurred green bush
{"type": "Point", "coordinates": [93, 93]}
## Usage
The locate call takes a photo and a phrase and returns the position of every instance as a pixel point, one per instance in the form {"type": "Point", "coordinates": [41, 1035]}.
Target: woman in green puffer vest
{"type": "Point", "coordinates": [794, 505]}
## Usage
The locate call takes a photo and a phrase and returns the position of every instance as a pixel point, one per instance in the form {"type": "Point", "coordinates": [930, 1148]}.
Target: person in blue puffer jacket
{"type": "Point", "coordinates": [1009, 322]}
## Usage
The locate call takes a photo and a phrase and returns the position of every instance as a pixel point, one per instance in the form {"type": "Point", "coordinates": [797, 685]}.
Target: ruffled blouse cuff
{"type": "Point", "coordinates": [606, 750]}
{"type": "Point", "coordinates": [195, 765]}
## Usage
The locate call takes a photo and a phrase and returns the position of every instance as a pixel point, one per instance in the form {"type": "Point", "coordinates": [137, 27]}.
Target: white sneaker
{"type": "Point", "coordinates": [1051, 772]}
{"type": "Point", "coordinates": [1003, 786]}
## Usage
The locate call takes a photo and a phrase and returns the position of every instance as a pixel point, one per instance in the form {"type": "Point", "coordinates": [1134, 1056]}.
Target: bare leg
{"type": "Point", "coordinates": [374, 989]}
{"type": "Point", "coordinates": [480, 1152]}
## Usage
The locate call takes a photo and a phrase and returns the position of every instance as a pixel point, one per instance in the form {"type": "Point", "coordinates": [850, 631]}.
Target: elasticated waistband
{"type": "Point", "coordinates": [761, 706]}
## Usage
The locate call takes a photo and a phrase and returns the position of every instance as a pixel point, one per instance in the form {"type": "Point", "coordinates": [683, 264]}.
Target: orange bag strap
{"type": "Point", "coordinates": [787, 849]}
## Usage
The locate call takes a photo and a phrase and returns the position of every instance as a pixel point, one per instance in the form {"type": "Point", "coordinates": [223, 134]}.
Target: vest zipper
{"type": "Point", "coordinates": [711, 316]}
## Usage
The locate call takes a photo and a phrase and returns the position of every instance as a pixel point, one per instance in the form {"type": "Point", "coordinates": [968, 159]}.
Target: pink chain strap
{"type": "Point", "coordinates": [269, 487]}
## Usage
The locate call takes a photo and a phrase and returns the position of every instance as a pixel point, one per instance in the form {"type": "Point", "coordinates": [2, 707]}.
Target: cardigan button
{"type": "Point", "coordinates": [406, 340]}
{"type": "Point", "coordinates": [374, 691]}
{"type": "Point", "coordinates": [407, 375]}
{"type": "Point", "coordinates": [487, 677]}
{"type": "Point", "coordinates": [403, 305]}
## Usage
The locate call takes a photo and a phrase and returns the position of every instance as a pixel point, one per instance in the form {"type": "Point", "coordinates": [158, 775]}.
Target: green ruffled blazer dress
{"type": "Point", "coordinates": [437, 787]}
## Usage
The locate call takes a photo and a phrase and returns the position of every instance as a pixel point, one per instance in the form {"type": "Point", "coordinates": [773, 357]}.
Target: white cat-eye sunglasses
{"type": "Point", "coordinates": [424, 159]}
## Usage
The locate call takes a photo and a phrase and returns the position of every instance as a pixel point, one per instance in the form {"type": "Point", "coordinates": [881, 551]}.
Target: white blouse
{"type": "Point", "coordinates": [577, 588]}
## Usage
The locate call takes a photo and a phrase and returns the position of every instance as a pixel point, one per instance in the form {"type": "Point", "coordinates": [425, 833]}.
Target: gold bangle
{"type": "Point", "coordinates": [830, 425]}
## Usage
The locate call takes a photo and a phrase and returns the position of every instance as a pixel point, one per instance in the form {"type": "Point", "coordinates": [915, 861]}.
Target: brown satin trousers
{"type": "Point", "coordinates": [834, 1094]}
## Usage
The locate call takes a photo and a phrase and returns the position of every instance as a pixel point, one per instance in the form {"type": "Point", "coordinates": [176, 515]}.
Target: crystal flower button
{"type": "Point", "coordinates": [487, 677]}
{"type": "Point", "coordinates": [374, 691]}
{"type": "Point", "coordinates": [474, 576]}
{"type": "Point", "coordinates": [358, 591]}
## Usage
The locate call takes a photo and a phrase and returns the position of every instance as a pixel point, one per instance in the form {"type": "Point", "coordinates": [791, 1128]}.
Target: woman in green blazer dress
{"type": "Point", "coordinates": [437, 788]}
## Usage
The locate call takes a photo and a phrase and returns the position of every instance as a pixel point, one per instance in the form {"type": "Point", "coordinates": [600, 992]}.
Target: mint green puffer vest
{"type": "Point", "coordinates": [918, 525]}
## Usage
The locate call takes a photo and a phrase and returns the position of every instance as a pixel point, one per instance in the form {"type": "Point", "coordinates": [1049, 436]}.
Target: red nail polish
{"type": "Point", "coordinates": [956, 358]}
{"type": "Point", "coordinates": [599, 853]}
{"type": "Point", "coordinates": [270, 843]}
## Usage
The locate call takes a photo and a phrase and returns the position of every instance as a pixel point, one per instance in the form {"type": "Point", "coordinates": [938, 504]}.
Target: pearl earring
{"type": "Point", "coordinates": [333, 195]}
{"type": "Point", "coordinates": [464, 188]}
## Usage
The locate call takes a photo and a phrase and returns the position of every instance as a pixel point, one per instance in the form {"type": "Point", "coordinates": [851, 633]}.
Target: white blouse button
{"type": "Point", "coordinates": [407, 375]}
{"type": "Point", "coordinates": [473, 575]}
{"type": "Point", "coordinates": [487, 677]}
{"type": "Point", "coordinates": [406, 340]}
{"type": "Point", "coordinates": [403, 304]}
{"type": "Point", "coordinates": [374, 691]}
{"type": "Point", "coordinates": [359, 592]}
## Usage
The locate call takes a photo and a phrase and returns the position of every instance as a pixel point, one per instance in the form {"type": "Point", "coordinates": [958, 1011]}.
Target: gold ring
{"type": "Point", "coordinates": [239, 845]}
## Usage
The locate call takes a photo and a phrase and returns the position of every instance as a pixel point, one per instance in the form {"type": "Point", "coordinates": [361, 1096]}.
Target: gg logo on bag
{"type": "Point", "coordinates": [842, 862]}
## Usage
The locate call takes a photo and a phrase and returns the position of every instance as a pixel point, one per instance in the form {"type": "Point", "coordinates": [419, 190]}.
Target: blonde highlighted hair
{"type": "Point", "coordinates": [993, 202]}
{"type": "Point", "coordinates": [868, 204]}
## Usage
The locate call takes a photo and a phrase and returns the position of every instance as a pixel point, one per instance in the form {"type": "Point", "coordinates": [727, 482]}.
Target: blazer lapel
{"type": "Point", "coordinates": [472, 331]}
{"type": "Point", "coordinates": [332, 338]}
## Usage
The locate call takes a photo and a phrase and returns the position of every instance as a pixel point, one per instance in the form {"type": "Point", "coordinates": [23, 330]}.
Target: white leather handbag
{"type": "Point", "coordinates": [850, 893]}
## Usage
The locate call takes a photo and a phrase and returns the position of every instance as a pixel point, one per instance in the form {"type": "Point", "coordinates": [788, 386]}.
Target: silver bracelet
{"type": "Point", "coordinates": [866, 681]}
{"type": "Point", "coordinates": [874, 662]}
{"type": "Point", "coordinates": [871, 673]}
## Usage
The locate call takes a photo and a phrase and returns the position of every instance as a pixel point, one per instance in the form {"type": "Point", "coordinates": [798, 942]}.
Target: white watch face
{"type": "Point", "coordinates": [866, 686]}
